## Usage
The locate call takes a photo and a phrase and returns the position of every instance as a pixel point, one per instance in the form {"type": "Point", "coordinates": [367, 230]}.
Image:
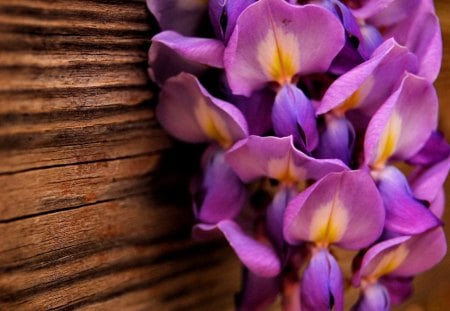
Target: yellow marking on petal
{"type": "Point", "coordinates": [358, 96]}
{"type": "Point", "coordinates": [329, 223]}
{"type": "Point", "coordinates": [284, 170]}
{"type": "Point", "coordinates": [279, 53]}
{"type": "Point", "coordinates": [389, 140]}
{"type": "Point", "coordinates": [212, 124]}
{"type": "Point", "coordinates": [348, 104]}
{"type": "Point", "coordinates": [390, 261]}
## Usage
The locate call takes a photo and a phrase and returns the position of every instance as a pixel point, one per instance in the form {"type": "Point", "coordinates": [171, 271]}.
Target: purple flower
{"type": "Point", "coordinates": [191, 114]}
{"type": "Point", "coordinates": [277, 158]}
{"type": "Point", "coordinates": [401, 127]}
{"type": "Point", "coordinates": [274, 41]}
{"type": "Point", "coordinates": [403, 256]}
{"type": "Point", "coordinates": [334, 210]}
{"type": "Point", "coordinates": [304, 109]}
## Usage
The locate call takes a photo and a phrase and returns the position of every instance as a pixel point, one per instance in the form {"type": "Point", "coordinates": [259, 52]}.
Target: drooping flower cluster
{"type": "Point", "coordinates": [307, 111]}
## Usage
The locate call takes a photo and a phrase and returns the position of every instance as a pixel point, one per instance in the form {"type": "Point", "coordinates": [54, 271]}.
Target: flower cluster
{"type": "Point", "coordinates": [311, 113]}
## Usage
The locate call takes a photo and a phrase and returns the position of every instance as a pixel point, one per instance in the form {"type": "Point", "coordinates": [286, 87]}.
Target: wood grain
{"type": "Point", "coordinates": [94, 209]}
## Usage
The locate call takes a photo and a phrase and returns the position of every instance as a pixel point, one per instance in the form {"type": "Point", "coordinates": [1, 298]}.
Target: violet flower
{"type": "Point", "coordinates": [303, 110]}
{"type": "Point", "coordinates": [404, 257]}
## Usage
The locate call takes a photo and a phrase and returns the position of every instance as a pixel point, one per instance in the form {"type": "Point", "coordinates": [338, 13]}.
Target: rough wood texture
{"type": "Point", "coordinates": [92, 216]}
{"type": "Point", "coordinates": [88, 215]}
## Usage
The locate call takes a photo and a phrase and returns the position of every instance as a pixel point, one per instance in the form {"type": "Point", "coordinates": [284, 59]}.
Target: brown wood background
{"type": "Point", "coordinates": [92, 216]}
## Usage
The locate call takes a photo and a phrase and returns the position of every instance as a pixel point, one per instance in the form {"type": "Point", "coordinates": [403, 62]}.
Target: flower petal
{"type": "Point", "coordinates": [277, 158]}
{"type": "Point", "coordinates": [336, 139]}
{"type": "Point", "coordinates": [322, 286]}
{"type": "Point", "coordinates": [374, 297]}
{"type": "Point", "coordinates": [426, 182]}
{"type": "Point", "coordinates": [390, 12]}
{"type": "Point", "coordinates": [371, 39]}
{"type": "Point", "coordinates": [371, 8]}
{"type": "Point", "coordinates": [404, 214]}
{"type": "Point", "coordinates": [257, 110]}
{"type": "Point", "coordinates": [293, 114]}
{"type": "Point", "coordinates": [257, 292]}
{"type": "Point", "coordinates": [403, 124]}
{"type": "Point", "coordinates": [414, 24]}
{"type": "Point", "coordinates": [404, 256]}
{"type": "Point", "coordinates": [399, 288]}
{"type": "Point", "coordinates": [274, 40]}
{"type": "Point", "coordinates": [182, 16]}
{"type": "Point", "coordinates": [425, 41]}
{"type": "Point", "coordinates": [172, 53]}
{"type": "Point", "coordinates": [221, 194]}
{"type": "Point", "coordinates": [224, 14]}
{"type": "Point", "coordinates": [435, 150]}
{"type": "Point", "coordinates": [370, 83]}
{"type": "Point", "coordinates": [259, 258]}
{"type": "Point", "coordinates": [335, 210]}
{"type": "Point", "coordinates": [274, 216]}
{"type": "Point", "coordinates": [202, 50]}
{"type": "Point", "coordinates": [188, 112]}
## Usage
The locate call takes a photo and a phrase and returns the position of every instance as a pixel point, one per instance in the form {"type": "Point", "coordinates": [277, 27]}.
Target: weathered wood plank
{"type": "Point", "coordinates": [92, 215]}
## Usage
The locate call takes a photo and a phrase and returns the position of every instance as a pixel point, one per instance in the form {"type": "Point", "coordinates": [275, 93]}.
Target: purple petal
{"type": "Point", "coordinates": [426, 182]}
{"type": "Point", "coordinates": [371, 8]}
{"type": "Point", "coordinates": [259, 258]}
{"type": "Point", "coordinates": [373, 267]}
{"type": "Point", "coordinates": [437, 205]}
{"type": "Point", "coordinates": [274, 40]}
{"type": "Point", "coordinates": [201, 50]}
{"type": "Point", "coordinates": [348, 19]}
{"type": "Point", "coordinates": [258, 293]}
{"type": "Point", "coordinates": [188, 112]}
{"type": "Point", "coordinates": [389, 12]}
{"type": "Point", "coordinates": [399, 288]}
{"type": "Point", "coordinates": [335, 210]}
{"type": "Point", "coordinates": [425, 41]}
{"type": "Point", "coordinates": [221, 194]}
{"type": "Point", "coordinates": [404, 214]}
{"type": "Point", "coordinates": [403, 124]}
{"type": "Point", "coordinates": [277, 158]}
{"type": "Point", "coordinates": [181, 16]}
{"type": "Point", "coordinates": [435, 150]}
{"type": "Point", "coordinates": [257, 110]}
{"type": "Point", "coordinates": [371, 83]}
{"type": "Point", "coordinates": [404, 256]}
{"type": "Point", "coordinates": [336, 139]}
{"type": "Point", "coordinates": [274, 216]}
{"type": "Point", "coordinates": [413, 23]}
{"type": "Point", "coordinates": [293, 114]}
{"type": "Point", "coordinates": [373, 298]}
{"type": "Point", "coordinates": [172, 53]}
{"type": "Point", "coordinates": [224, 14]}
{"type": "Point", "coordinates": [371, 39]}
{"type": "Point", "coordinates": [425, 251]}
{"type": "Point", "coordinates": [164, 63]}
{"type": "Point", "coordinates": [322, 284]}
{"type": "Point", "coordinates": [347, 59]}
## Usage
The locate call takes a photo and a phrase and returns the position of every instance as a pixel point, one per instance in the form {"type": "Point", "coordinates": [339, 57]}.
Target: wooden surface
{"type": "Point", "coordinates": [91, 215]}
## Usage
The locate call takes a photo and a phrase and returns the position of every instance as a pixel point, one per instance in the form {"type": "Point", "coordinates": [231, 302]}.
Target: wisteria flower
{"type": "Point", "coordinates": [306, 113]}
